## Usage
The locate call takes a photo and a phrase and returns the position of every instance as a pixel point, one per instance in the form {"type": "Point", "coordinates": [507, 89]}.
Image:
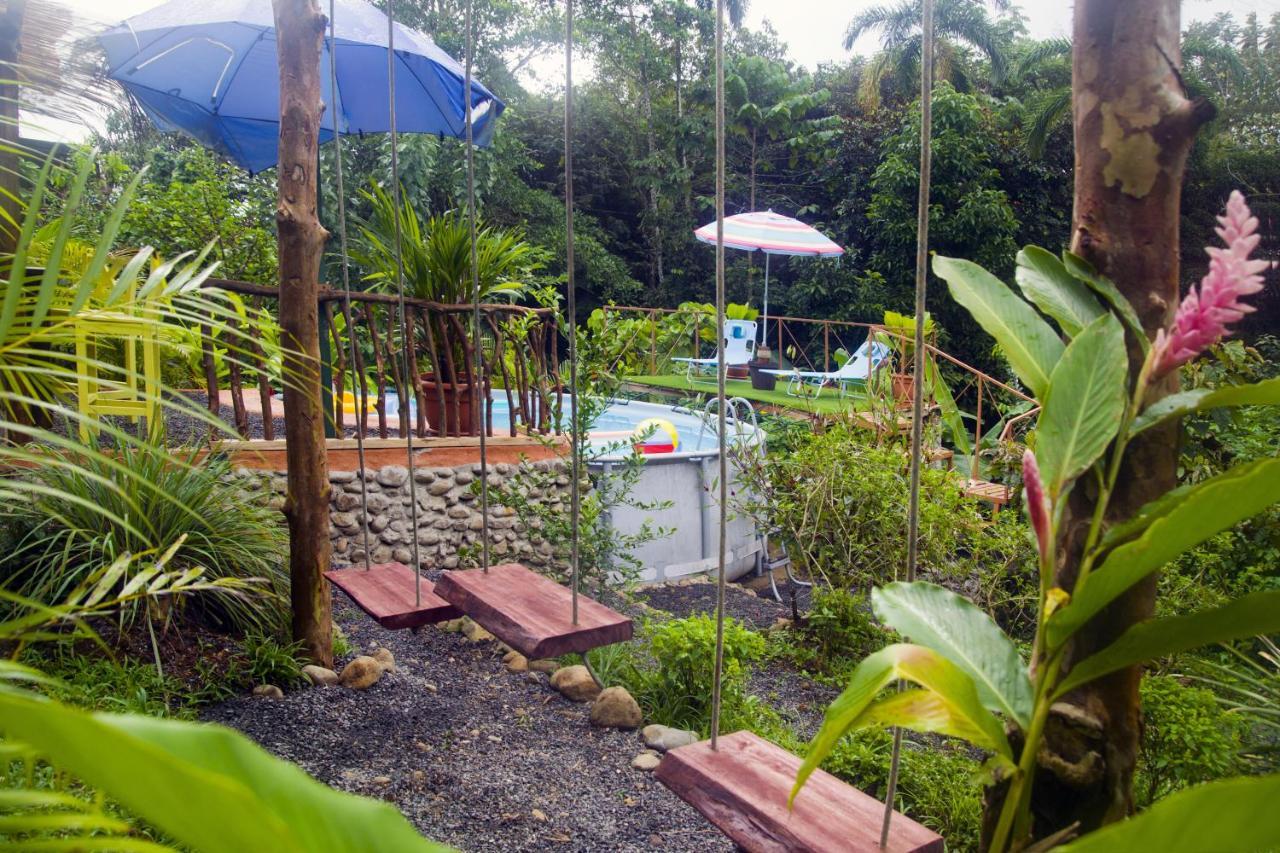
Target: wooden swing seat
{"type": "Point", "coordinates": [389, 593]}
{"type": "Point", "coordinates": [531, 613]}
{"type": "Point", "coordinates": [743, 786]}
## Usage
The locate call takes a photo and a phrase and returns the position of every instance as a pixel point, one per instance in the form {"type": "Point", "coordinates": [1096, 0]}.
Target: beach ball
{"type": "Point", "coordinates": [662, 436]}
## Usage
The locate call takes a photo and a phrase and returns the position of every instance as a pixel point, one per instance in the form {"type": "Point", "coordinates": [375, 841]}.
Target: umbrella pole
{"type": "Point", "coordinates": [764, 338]}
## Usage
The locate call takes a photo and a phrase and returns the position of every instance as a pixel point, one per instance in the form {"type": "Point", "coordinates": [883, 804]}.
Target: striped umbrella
{"type": "Point", "coordinates": [773, 234]}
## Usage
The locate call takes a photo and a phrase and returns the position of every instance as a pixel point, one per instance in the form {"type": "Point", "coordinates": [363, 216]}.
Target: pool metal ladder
{"type": "Point", "coordinates": [740, 411]}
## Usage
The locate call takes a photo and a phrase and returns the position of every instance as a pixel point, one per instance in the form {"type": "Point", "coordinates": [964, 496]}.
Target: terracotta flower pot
{"type": "Point", "coordinates": [457, 397]}
{"type": "Point", "coordinates": [903, 389]}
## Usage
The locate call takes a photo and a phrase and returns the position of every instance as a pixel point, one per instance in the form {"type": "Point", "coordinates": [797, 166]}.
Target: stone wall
{"type": "Point", "coordinates": [448, 512]}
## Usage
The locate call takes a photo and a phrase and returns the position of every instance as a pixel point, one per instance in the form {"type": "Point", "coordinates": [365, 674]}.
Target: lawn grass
{"type": "Point", "coordinates": [828, 403]}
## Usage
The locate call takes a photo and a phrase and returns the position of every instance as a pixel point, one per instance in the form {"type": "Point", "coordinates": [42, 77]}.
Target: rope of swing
{"type": "Point", "coordinates": [406, 343]}
{"type": "Point", "coordinates": [720, 379]}
{"type": "Point", "coordinates": [336, 109]}
{"type": "Point", "coordinates": [575, 501]}
{"type": "Point", "coordinates": [480, 398]}
{"type": "Point", "coordinates": [917, 394]}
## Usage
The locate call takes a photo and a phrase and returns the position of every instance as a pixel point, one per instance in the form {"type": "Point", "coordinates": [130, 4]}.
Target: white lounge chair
{"type": "Point", "coordinates": [739, 349]}
{"type": "Point", "coordinates": [856, 371]}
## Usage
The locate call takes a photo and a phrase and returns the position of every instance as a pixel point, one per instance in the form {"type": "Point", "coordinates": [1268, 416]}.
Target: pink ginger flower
{"type": "Point", "coordinates": [1203, 316]}
{"type": "Point", "coordinates": [1037, 504]}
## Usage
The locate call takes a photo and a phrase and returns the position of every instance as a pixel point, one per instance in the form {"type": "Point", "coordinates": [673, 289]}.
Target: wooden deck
{"type": "Point", "coordinates": [394, 595]}
{"type": "Point", "coordinates": [530, 612]}
{"type": "Point", "coordinates": [743, 786]}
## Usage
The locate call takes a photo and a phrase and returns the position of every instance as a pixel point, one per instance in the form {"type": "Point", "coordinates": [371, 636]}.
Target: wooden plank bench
{"type": "Point", "coordinates": [996, 494]}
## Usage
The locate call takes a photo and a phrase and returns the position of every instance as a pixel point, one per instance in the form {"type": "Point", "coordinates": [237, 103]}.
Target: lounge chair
{"type": "Point", "coordinates": [739, 349]}
{"type": "Point", "coordinates": [856, 371]}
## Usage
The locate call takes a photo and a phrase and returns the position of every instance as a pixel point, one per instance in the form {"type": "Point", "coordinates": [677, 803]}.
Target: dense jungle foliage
{"type": "Point", "coordinates": [834, 146]}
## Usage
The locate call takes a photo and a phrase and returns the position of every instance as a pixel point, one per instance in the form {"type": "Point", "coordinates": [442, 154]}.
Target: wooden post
{"type": "Point", "coordinates": [299, 28]}
{"type": "Point", "coordinates": [977, 436]}
{"type": "Point", "coordinates": [1134, 127]}
{"type": "Point", "coordinates": [653, 342]}
{"type": "Point", "coordinates": [826, 345]}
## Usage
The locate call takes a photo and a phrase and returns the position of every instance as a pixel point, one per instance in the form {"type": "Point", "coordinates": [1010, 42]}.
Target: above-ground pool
{"type": "Point", "coordinates": [687, 479]}
{"type": "Point", "coordinates": [684, 478]}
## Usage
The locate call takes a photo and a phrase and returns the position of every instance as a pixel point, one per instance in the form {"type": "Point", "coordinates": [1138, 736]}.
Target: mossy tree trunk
{"type": "Point", "coordinates": [299, 30]}
{"type": "Point", "coordinates": [1134, 127]}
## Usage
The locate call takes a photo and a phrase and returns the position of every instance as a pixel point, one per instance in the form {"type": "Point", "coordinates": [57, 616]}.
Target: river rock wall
{"type": "Point", "coordinates": [448, 518]}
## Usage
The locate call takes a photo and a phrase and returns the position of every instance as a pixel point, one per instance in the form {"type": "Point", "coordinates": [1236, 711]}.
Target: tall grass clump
{"type": "Point", "coordinates": [84, 516]}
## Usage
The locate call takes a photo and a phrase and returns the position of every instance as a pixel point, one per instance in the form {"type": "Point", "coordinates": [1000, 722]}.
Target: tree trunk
{"type": "Point", "coordinates": [299, 28]}
{"type": "Point", "coordinates": [1134, 127]}
{"type": "Point", "coordinates": [10, 93]}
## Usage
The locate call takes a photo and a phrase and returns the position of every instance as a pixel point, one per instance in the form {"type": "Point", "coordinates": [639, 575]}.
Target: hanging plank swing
{"type": "Point", "coordinates": [393, 594]}
{"type": "Point", "coordinates": [529, 612]}
{"type": "Point", "coordinates": [742, 786]}
{"type": "Point", "coordinates": [740, 782]}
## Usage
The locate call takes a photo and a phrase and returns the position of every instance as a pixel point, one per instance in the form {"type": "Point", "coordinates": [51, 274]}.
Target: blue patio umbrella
{"type": "Point", "coordinates": [208, 68]}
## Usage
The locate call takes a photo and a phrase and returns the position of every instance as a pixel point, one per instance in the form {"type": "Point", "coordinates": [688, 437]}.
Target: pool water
{"type": "Point", "coordinates": [697, 434]}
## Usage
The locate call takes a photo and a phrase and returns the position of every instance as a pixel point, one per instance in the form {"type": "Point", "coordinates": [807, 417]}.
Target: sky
{"type": "Point", "coordinates": [813, 30]}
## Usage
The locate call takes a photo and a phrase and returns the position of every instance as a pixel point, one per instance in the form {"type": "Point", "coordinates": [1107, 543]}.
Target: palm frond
{"type": "Point", "coordinates": [1047, 112]}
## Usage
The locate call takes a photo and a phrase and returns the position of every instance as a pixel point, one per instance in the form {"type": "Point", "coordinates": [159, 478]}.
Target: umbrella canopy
{"type": "Point", "coordinates": [771, 233]}
{"type": "Point", "coordinates": [208, 68]}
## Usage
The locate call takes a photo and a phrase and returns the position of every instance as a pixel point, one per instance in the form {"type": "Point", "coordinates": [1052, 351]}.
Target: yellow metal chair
{"type": "Point", "coordinates": [133, 393]}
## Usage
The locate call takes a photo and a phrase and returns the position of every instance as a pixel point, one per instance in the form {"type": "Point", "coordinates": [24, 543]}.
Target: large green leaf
{"type": "Point", "coordinates": [1106, 288]}
{"type": "Point", "coordinates": [953, 627]}
{"type": "Point", "coordinates": [947, 407]}
{"type": "Point", "coordinates": [1045, 281]}
{"type": "Point", "coordinates": [1029, 343]}
{"type": "Point", "coordinates": [208, 787]}
{"type": "Point", "coordinates": [1265, 393]}
{"type": "Point", "coordinates": [957, 710]}
{"type": "Point", "coordinates": [1203, 510]}
{"type": "Point", "coordinates": [1234, 814]}
{"type": "Point", "coordinates": [1254, 614]}
{"type": "Point", "coordinates": [1084, 403]}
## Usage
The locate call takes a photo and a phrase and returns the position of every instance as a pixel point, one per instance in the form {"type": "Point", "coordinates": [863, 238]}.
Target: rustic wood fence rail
{"type": "Point", "coordinates": [812, 344]}
{"type": "Point", "coordinates": [518, 354]}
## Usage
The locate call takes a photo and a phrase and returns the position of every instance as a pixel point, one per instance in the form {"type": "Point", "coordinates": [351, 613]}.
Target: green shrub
{"type": "Point", "coordinates": [1187, 738]}
{"type": "Point", "coordinates": [342, 646]}
{"type": "Point", "coordinates": [1236, 562]}
{"type": "Point", "coordinates": [838, 631]}
{"type": "Point", "coordinates": [840, 507]}
{"type": "Point", "coordinates": [270, 661]}
{"type": "Point", "coordinates": [91, 513]}
{"type": "Point", "coordinates": [672, 678]}
{"type": "Point", "coordinates": [1245, 680]}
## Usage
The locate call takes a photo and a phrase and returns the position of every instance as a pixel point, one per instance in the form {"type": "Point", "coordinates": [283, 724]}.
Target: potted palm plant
{"type": "Point", "coordinates": [899, 334]}
{"type": "Point", "coordinates": [436, 258]}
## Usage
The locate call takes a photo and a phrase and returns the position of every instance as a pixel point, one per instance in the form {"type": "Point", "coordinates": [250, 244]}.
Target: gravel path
{"type": "Point", "coordinates": [491, 747]}
{"type": "Point", "coordinates": [483, 759]}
